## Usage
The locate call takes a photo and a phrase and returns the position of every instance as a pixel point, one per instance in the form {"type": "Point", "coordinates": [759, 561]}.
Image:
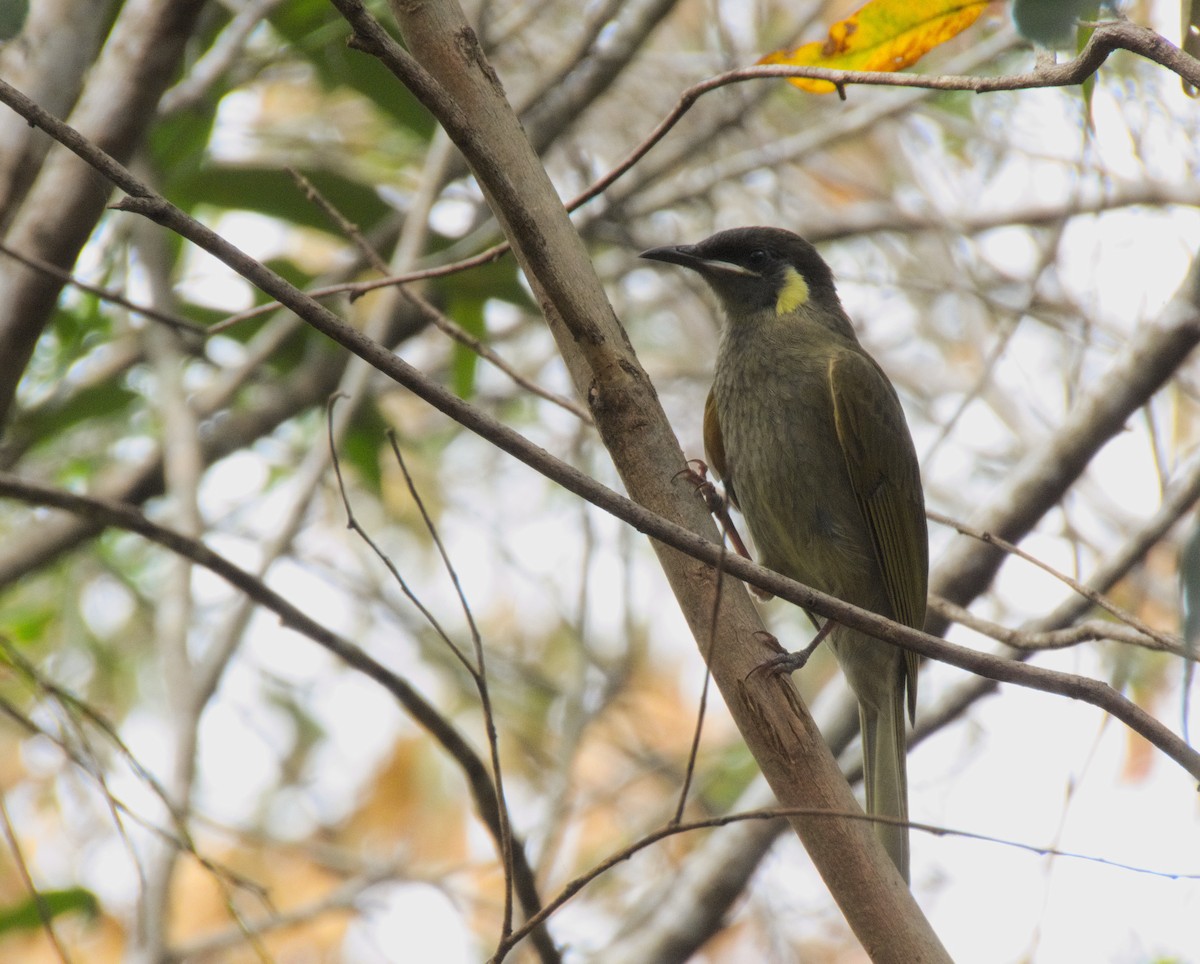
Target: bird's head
{"type": "Point", "coordinates": [754, 270]}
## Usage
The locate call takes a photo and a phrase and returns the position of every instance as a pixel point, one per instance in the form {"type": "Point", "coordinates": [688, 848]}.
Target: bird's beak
{"type": "Point", "coordinates": [688, 256]}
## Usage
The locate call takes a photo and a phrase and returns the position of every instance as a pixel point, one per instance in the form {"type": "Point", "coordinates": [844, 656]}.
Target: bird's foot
{"type": "Point", "coordinates": [782, 665]}
{"type": "Point", "coordinates": [697, 473]}
{"type": "Point", "coordinates": [787, 663]}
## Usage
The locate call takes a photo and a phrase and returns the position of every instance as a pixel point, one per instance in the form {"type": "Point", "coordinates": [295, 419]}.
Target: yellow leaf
{"type": "Point", "coordinates": [883, 35]}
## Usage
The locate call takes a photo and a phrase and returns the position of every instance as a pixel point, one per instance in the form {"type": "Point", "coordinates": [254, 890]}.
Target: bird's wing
{"type": "Point", "coordinates": [886, 479]}
{"type": "Point", "coordinates": [714, 446]}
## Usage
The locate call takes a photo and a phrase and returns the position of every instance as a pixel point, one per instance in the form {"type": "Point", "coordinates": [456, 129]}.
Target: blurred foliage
{"type": "Point", "coordinates": [272, 192]}
{"type": "Point", "coordinates": [29, 914]}
{"type": "Point", "coordinates": [12, 16]}
{"type": "Point", "coordinates": [1052, 23]}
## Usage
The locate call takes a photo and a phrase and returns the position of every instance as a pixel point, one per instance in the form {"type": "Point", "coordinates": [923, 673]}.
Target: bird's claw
{"type": "Point", "coordinates": [697, 474]}
{"type": "Point", "coordinates": [787, 663]}
{"type": "Point", "coordinates": [784, 664]}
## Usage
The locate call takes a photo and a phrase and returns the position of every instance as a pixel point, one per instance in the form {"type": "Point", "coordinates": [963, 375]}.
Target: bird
{"type": "Point", "coordinates": [809, 439]}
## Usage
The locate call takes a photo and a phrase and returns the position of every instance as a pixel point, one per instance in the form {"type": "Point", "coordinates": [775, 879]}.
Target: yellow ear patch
{"type": "Point", "coordinates": [793, 293]}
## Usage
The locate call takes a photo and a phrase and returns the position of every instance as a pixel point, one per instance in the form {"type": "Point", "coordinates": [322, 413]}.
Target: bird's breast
{"type": "Point", "coordinates": [783, 456]}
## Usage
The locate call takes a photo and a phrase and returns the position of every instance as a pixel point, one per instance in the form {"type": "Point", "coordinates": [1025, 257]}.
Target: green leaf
{"type": "Point", "coordinates": [25, 915]}
{"type": "Point", "coordinates": [178, 146]}
{"type": "Point", "coordinates": [26, 624]}
{"type": "Point", "coordinates": [360, 448]}
{"type": "Point", "coordinates": [50, 421]}
{"type": "Point", "coordinates": [12, 17]}
{"type": "Point", "coordinates": [315, 29]}
{"type": "Point", "coordinates": [271, 191]}
{"type": "Point", "coordinates": [1051, 23]}
{"type": "Point", "coordinates": [468, 312]}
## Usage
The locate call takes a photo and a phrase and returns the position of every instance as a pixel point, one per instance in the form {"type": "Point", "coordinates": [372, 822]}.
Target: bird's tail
{"type": "Point", "coordinates": [885, 773]}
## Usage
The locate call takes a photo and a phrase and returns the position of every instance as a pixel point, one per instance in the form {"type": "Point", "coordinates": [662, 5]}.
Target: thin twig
{"type": "Point", "coordinates": [990, 361]}
{"type": "Point", "coordinates": [983, 664]}
{"type": "Point", "coordinates": [75, 712]}
{"type": "Point", "coordinates": [481, 686]}
{"type": "Point", "coordinates": [353, 525]}
{"type": "Point", "coordinates": [39, 900]}
{"type": "Point", "coordinates": [1107, 37]}
{"type": "Point", "coordinates": [484, 351]}
{"type": "Point", "coordinates": [143, 200]}
{"type": "Point", "coordinates": [1091, 630]}
{"type": "Point", "coordinates": [345, 897]}
{"type": "Point", "coordinates": [344, 224]}
{"type": "Point", "coordinates": [181, 839]}
{"type": "Point", "coordinates": [148, 203]}
{"type": "Point", "coordinates": [431, 528]}
{"type": "Point", "coordinates": [1167, 641]}
{"type": "Point", "coordinates": [576, 885]}
{"type": "Point", "coordinates": [126, 517]}
{"type": "Point", "coordinates": [357, 289]}
{"type": "Point", "coordinates": [104, 294]}
{"type": "Point", "coordinates": [702, 709]}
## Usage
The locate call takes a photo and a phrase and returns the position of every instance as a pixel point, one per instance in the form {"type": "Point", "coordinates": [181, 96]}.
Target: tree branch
{"type": "Point", "coordinates": [1107, 37]}
{"type": "Point", "coordinates": [466, 96]}
{"type": "Point", "coordinates": [139, 59]}
{"type": "Point", "coordinates": [126, 517]}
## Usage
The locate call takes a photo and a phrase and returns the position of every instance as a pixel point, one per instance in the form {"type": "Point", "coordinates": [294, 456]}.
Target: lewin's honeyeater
{"type": "Point", "coordinates": [808, 436]}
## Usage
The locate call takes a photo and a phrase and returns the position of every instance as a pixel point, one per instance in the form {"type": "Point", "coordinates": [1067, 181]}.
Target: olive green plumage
{"type": "Point", "coordinates": [808, 435]}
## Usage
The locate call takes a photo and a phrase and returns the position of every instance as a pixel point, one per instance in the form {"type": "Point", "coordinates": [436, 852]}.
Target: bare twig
{"type": "Point", "coordinates": [684, 911]}
{"type": "Point", "coordinates": [1107, 38]}
{"type": "Point", "coordinates": [992, 667]}
{"type": "Point", "coordinates": [145, 201]}
{"type": "Point", "coordinates": [180, 838]}
{"type": "Point", "coordinates": [574, 886]}
{"type": "Point", "coordinates": [39, 900]}
{"type": "Point", "coordinates": [133, 207]}
{"type": "Point", "coordinates": [484, 351]}
{"type": "Point", "coordinates": [354, 526]}
{"type": "Point", "coordinates": [702, 708]}
{"type": "Point", "coordinates": [345, 897]}
{"type": "Point", "coordinates": [357, 289]}
{"type": "Point", "coordinates": [481, 685]}
{"type": "Point", "coordinates": [154, 314]}
{"type": "Point", "coordinates": [129, 518]}
{"type": "Point", "coordinates": [1091, 630]}
{"type": "Point", "coordinates": [344, 224]}
{"type": "Point", "coordinates": [1169, 642]}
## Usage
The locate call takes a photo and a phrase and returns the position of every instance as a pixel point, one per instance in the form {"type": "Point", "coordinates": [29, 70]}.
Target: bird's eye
{"type": "Point", "coordinates": [757, 258]}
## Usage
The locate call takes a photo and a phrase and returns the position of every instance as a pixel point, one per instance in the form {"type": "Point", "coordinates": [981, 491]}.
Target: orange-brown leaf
{"type": "Point", "coordinates": [883, 35]}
